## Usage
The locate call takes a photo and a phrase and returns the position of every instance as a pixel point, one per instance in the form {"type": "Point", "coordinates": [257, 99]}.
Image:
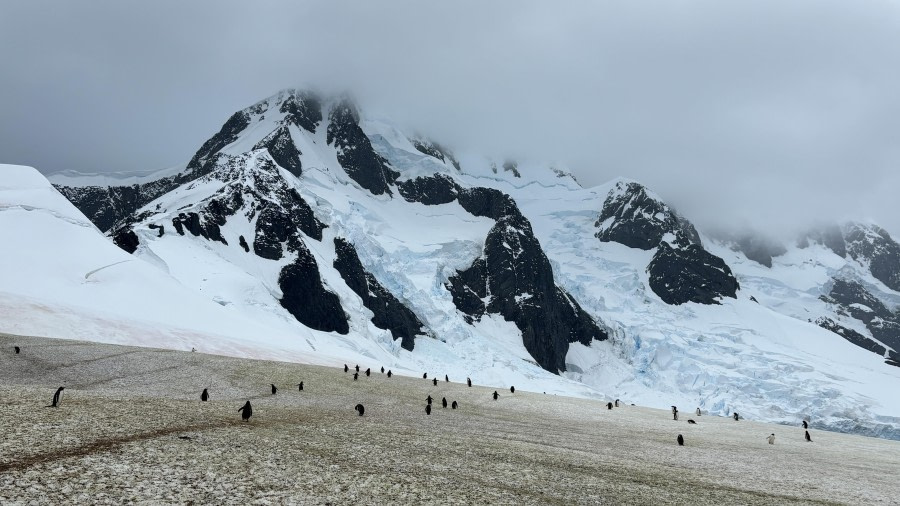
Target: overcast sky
{"type": "Point", "coordinates": [768, 113]}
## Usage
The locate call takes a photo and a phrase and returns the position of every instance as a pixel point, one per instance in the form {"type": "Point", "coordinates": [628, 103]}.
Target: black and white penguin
{"type": "Point", "coordinates": [274, 390]}
{"type": "Point", "coordinates": [434, 381]}
{"type": "Point", "coordinates": [805, 424]}
{"type": "Point", "coordinates": [469, 381]}
{"type": "Point", "coordinates": [300, 386]}
{"type": "Point", "coordinates": [17, 349]}
{"type": "Point", "coordinates": [496, 395]}
{"type": "Point", "coordinates": [447, 378]}
{"type": "Point", "coordinates": [428, 399]}
{"type": "Point", "coordinates": [691, 421]}
{"type": "Point", "coordinates": [390, 374]}
{"type": "Point", "coordinates": [736, 416]}
{"type": "Point", "coordinates": [382, 369]}
{"type": "Point", "coordinates": [698, 411]}
{"type": "Point", "coordinates": [609, 405]}
{"type": "Point", "coordinates": [425, 376]}
{"type": "Point", "coordinates": [428, 409]}
{"type": "Point", "coordinates": [369, 371]}
{"type": "Point", "coordinates": [512, 390]}
{"type": "Point", "coordinates": [360, 409]}
{"type": "Point", "coordinates": [204, 396]}
{"type": "Point", "coordinates": [357, 367]}
{"type": "Point", "coordinates": [806, 435]}
{"type": "Point", "coordinates": [617, 403]}
{"type": "Point", "coordinates": [246, 411]}
{"type": "Point", "coordinates": [680, 440]}
{"type": "Point", "coordinates": [346, 369]}
{"type": "Point", "coordinates": [454, 405]}
{"type": "Point", "coordinates": [355, 376]}
{"type": "Point", "coordinates": [56, 397]}
{"type": "Point", "coordinates": [444, 402]}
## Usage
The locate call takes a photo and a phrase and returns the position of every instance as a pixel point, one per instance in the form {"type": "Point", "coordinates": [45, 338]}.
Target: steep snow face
{"type": "Point", "coordinates": [419, 217]}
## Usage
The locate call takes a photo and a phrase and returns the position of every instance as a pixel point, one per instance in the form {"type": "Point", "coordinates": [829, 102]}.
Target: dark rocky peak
{"type": "Point", "coordinates": [871, 245]}
{"type": "Point", "coordinates": [306, 297]}
{"type": "Point", "coordinates": [301, 108]}
{"type": "Point", "coordinates": [829, 236]}
{"type": "Point", "coordinates": [442, 189]}
{"type": "Point", "coordinates": [430, 190]}
{"type": "Point", "coordinates": [435, 150]}
{"type": "Point", "coordinates": [106, 206]}
{"type": "Point", "coordinates": [855, 301]}
{"type": "Point", "coordinates": [633, 216]}
{"type": "Point", "coordinates": [204, 160]}
{"type": "Point", "coordinates": [690, 274]}
{"type": "Point", "coordinates": [388, 312]}
{"type": "Point", "coordinates": [754, 245]}
{"type": "Point", "coordinates": [355, 152]}
{"type": "Point", "coordinates": [282, 149]}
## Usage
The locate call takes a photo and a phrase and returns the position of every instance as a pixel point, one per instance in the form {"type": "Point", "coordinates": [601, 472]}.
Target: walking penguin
{"type": "Point", "coordinates": [17, 349]}
{"type": "Point", "coordinates": [806, 435]}
{"type": "Point", "coordinates": [496, 395]}
{"type": "Point", "coordinates": [771, 439]}
{"type": "Point", "coordinates": [274, 390]}
{"type": "Point", "coordinates": [434, 381]}
{"type": "Point", "coordinates": [246, 411]}
{"type": "Point", "coordinates": [300, 386]}
{"type": "Point", "coordinates": [609, 405]}
{"type": "Point", "coordinates": [454, 405]}
{"type": "Point", "coordinates": [736, 416]}
{"type": "Point", "coordinates": [428, 400]}
{"type": "Point", "coordinates": [805, 424]}
{"type": "Point", "coordinates": [369, 372]}
{"type": "Point", "coordinates": [444, 402]}
{"type": "Point", "coordinates": [56, 399]}
{"type": "Point", "coordinates": [680, 440]}
{"type": "Point", "coordinates": [390, 374]}
{"type": "Point", "coordinates": [346, 368]}
{"type": "Point", "coordinates": [355, 376]}
{"type": "Point", "coordinates": [447, 378]}
{"type": "Point", "coordinates": [204, 396]}
{"type": "Point", "coordinates": [428, 409]}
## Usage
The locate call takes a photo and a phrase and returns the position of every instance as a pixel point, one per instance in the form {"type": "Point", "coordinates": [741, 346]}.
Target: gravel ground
{"type": "Point", "coordinates": [132, 430]}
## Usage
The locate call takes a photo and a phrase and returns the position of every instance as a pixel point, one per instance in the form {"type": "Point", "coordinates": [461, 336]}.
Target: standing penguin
{"type": "Point", "coordinates": [300, 387]}
{"type": "Point", "coordinates": [204, 396]}
{"type": "Point", "coordinates": [736, 416]}
{"type": "Point", "coordinates": [444, 402]}
{"type": "Point", "coordinates": [17, 349]}
{"type": "Point", "coordinates": [609, 405]}
{"type": "Point", "coordinates": [674, 413]}
{"type": "Point", "coordinates": [512, 390]}
{"type": "Point", "coordinates": [496, 395]}
{"type": "Point", "coordinates": [425, 376]}
{"type": "Point", "coordinates": [246, 411]}
{"type": "Point", "coordinates": [434, 381]}
{"type": "Point", "coordinates": [454, 405]}
{"type": "Point", "coordinates": [680, 440]}
{"type": "Point", "coordinates": [806, 435]}
{"type": "Point", "coordinates": [771, 439]}
{"type": "Point", "coordinates": [390, 374]}
{"type": "Point", "coordinates": [698, 411]}
{"type": "Point", "coordinates": [469, 381]}
{"type": "Point", "coordinates": [428, 409]}
{"type": "Point", "coordinates": [447, 378]}
{"type": "Point", "coordinates": [368, 372]}
{"type": "Point", "coordinates": [617, 403]}
{"type": "Point", "coordinates": [360, 409]}
{"type": "Point", "coordinates": [428, 400]}
{"type": "Point", "coordinates": [355, 376]}
{"type": "Point", "coordinates": [56, 397]}
{"type": "Point", "coordinates": [346, 369]}
{"type": "Point", "coordinates": [274, 389]}
{"type": "Point", "coordinates": [382, 369]}
{"type": "Point", "coordinates": [805, 424]}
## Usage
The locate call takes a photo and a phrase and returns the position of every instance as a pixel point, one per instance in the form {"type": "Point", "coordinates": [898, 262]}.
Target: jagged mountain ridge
{"type": "Point", "coordinates": [335, 158]}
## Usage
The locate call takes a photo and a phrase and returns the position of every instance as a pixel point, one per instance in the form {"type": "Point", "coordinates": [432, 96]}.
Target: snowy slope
{"type": "Point", "coordinates": [765, 358]}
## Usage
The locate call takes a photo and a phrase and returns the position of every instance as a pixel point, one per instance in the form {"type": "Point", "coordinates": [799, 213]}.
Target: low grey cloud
{"type": "Point", "coordinates": [768, 113]}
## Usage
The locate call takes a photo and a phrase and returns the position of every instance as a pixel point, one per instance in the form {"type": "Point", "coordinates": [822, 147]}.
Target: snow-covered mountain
{"type": "Point", "coordinates": [304, 216]}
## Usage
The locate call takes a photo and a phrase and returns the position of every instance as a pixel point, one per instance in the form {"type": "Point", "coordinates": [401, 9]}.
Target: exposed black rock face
{"type": "Point", "coordinates": [243, 243]}
{"type": "Point", "coordinates": [279, 224]}
{"type": "Point", "coordinates": [857, 302]}
{"type": "Point", "coordinates": [851, 335]}
{"type": "Point", "coordinates": [431, 191]}
{"type": "Point", "coordinates": [511, 166]}
{"type": "Point", "coordinates": [429, 148]}
{"type": "Point", "coordinates": [126, 239]}
{"type": "Point", "coordinates": [830, 236]}
{"type": "Point", "coordinates": [632, 217]}
{"type": "Point", "coordinates": [690, 274]}
{"type": "Point", "coordinates": [161, 228]}
{"type": "Point", "coordinates": [306, 298]}
{"type": "Point", "coordinates": [355, 152]}
{"type": "Point", "coordinates": [204, 160]}
{"type": "Point", "coordinates": [302, 109]}
{"type": "Point", "coordinates": [207, 228]}
{"type": "Point", "coordinates": [872, 244]}
{"type": "Point", "coordinates": [282, 149]}
{"type": "Point", "coordinates": [107, 205]}
{"type": "Point", "coordinates": [389, 313]}
{"type": "Point", "coordinates": [488, 202]}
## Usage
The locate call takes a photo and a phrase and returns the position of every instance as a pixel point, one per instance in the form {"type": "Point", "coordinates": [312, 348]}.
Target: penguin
{"type": "Point", "coordinates": [360, 409]}
{"type": "Point", "coordinates": [357, 367]}
{"type": "Point", "coordinates": [512, 390]}
{"type": "Point", "coordinates": [246, 411]}
{"type": "Point", "coordinates": [444, 402]}
{"type": "Point", "coordinates": [193, 350]}
{"type": "Point", "coordinates": [674, 409]}
{"type": "Point", "coordinates": [428, 400]}
{"type": "Point", "coordinates": [609, 405]}
{"type": "Point", "coordinates": [680, 440]}
{"type": "Point", "coordinates": [300, 387]}
{"type": "Point", "coordinates": [447, 378]}
{"type": "Point", "coordinates": [674, 413]}
{"type": "Point", "coordinates": [346, 369]}
{"type": "Point", "coordinates": [691, 422]}
{"type": "Point", "coordinates": [204, 396]}
{"type": "Point", "coordinates": [496, 395]}
{"type": "Point", "coordinates": [368, 372]}
{"type": "Point", "coordinates": [698, 411]}
{"type": "Point", "coordinates": [390, 374]}
{"type": "Point", "coordinates": [17, 349]}
{"type": "Point", "coordinates": [469, 382]}
{"type": "Point", "coordinates": [771, 439]}
{"type": "Point", "coordinates": [274, 389]}
{"type": "Point", "coordinates": [355, 376]}
{"type": "Point", "coordinates": [425, 376]}
{"type": "Point", "coordinates": [617, 403]}
{"type": "Point", "coordinates": [454, 405]}
{"type": "Point", "coordinates": [57, 395]}
{"type": "Point", "coordinates": [805, 424]}
{"type": "Point", "coordinates": [428, 409]}
{"type": "Point", "coordinates": [736, 416]}
{"type": "Point", "coordinates": [434, 381]}
{"type": "Point", "coordinates": [382, 369]}
{"type": "Point", "coordinates": [806, 435]}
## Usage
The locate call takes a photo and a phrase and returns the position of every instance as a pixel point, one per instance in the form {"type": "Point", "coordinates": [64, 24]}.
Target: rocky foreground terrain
{"type": "Point", "coordinates": [131, 429]}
